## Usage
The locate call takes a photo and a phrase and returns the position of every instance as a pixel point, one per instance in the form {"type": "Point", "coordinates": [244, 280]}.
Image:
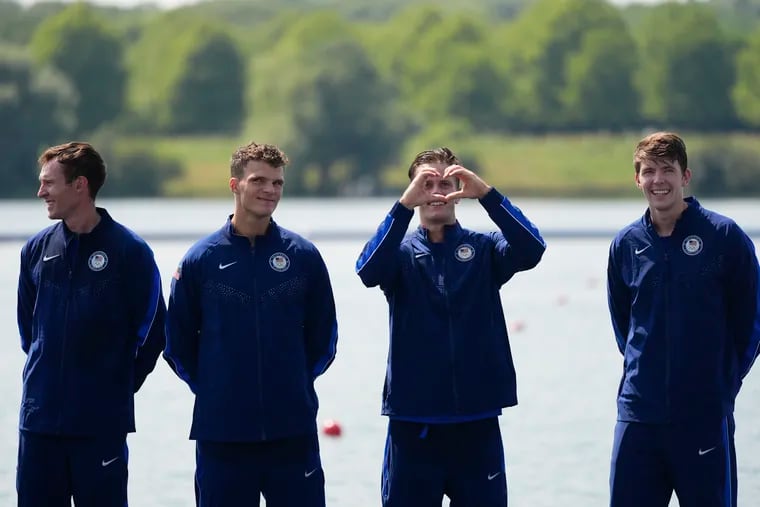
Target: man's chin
{"type": "Point", "coordinates": [440, 218]}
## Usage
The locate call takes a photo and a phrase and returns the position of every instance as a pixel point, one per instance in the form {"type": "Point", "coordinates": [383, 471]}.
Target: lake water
{"type": "Point", "coordinates": [557, 440]}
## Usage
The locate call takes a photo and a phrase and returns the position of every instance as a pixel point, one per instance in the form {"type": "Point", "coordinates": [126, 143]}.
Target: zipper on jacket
{"type": "Point", "coordinates": [668, 340]}
{"type": "Point", "coordinates": [71, 251]}
{"type": "Point", "coordinates": [258, 343]}
{"type": "Point", "coordinates": [452, 339]}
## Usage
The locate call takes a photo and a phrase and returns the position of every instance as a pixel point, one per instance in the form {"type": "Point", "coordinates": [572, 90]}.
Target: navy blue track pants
{"type": "Point", "coordinates": [697, 460]}
{"type": "Point", "coordinates": [463, 461]}
{"type": "Point", "coordinates": [287, 472]}
{"type": "Point", "coordinates": [53, 469]}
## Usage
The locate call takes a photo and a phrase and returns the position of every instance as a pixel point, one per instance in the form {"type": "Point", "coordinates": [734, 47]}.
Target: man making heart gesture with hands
{"type": "Point", "coordinates": [450, 370]}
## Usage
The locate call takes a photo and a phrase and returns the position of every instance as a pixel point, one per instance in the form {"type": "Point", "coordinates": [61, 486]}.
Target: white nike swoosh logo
{"type": "Point", "coordinates": [640, 250]}
{"type": "Point", "coordinates": [50, 257]}
{"type": "Point", "coordinates": [106, 463]}
{"type": "Point", "coordinates": [493, 476]}
{"type": "Point", "coordinates": [225, 266]}
{"type": "Point", "coordinates": [702, 453]}
{"type": "Point", "coordinates": [309, 474]}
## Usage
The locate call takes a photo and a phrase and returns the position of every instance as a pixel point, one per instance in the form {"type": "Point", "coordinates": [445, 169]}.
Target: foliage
{"type": "Point", "coordinates": [687, 69]}
{"type": "Point", "coordinates": [254, 13]}
{"type": "Point", "coordinates": [340, 122]}
{"type": "Point", "coordinates": [133, 172]}
{"type": "Point", "coordinates": [722, 169]}
{"type": "Point", "coordinates": [82, 47]}
{"type": "Point", "coordinates": [187, 76]}
{"type": "Point", "coordinates": [17, 24]}
{"type": "Point", "coordinates": [746, 92]}
{"type": "Point", "coordinates": [444, 65]}
{"type": "Point", "coordinates": [553, 51]}
{"type": "Point", "coordinates": [351, 88]}
{"type": "Point", "coordinates": [36, 109]}
{"type": "Point", "coordinates": [599, 90]}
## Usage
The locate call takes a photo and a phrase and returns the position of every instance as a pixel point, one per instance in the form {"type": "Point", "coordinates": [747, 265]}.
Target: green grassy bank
{"type": "Point", "coordinates": [583, 165]}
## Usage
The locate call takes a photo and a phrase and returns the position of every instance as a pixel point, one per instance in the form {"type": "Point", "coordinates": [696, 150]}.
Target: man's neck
{"type": "Point", "coordinates": [436, 232]}
{"type": "Point", "coordinates": [250, 227]}
{"type": "Point", "coordinates": [665, 221]}
{"type": "Point", "coordinates": [84, 222]}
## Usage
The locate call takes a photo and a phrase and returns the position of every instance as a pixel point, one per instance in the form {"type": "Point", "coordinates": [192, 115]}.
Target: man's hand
{"type": "Point", "coordinates": [472, 187]}
{"type": "Point", "coordinates": [416, 193]}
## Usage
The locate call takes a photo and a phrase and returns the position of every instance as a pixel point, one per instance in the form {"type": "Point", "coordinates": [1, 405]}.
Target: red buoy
{"type": "Point", "coordinates": [331, 427]}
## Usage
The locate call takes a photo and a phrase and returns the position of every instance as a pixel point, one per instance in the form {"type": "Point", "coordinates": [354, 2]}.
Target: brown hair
{"type": "Point", "coordinates": [442, 154]}
{"type": "Point", "coordinates": [268, 153]}
{"type": "Point", "coordinates": [78, 159]}
{"type": "Point", "coordinates": [661, 145]}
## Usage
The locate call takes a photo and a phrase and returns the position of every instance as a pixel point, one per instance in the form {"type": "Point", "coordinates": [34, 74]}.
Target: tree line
{"type": "Point", "coordinates": [342, 88]}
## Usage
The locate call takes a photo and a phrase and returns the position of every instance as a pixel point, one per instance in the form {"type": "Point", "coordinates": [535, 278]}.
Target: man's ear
{"type": "Point", "coordinates": [686, 176]}
{"type": "Point", "coordinates": [234, 185]}
{"type": "Point", "coordinates": [81, 184]}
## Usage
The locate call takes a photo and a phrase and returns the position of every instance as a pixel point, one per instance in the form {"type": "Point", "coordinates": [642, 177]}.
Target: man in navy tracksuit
{"type": "Point", "coordinates": [450, 369]}
{"type": "Point", "coordinates": [251, 324]}
{"type": "Point", "coordinates": [91, 319]}
{"type": "Point", "coordinates": [685, 307]}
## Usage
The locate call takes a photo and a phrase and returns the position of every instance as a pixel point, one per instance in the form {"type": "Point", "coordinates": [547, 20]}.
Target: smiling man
{"type": "Point", "coordinates": [685, 306]}
{"type": "Point", "coordinates": [450, 369]}
{"type": "Point", "coordinates": [91, 318]}
{"type": "Point", "coordinates": [251, 325]}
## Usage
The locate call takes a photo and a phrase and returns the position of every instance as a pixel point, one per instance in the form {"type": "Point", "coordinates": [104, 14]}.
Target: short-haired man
{"type": "Point", "coordinates": [91, 318]}
{"type": "Point", "coordinates": [251, 324]}
{"type": "Point", "coordinates": [450, 369]}
{"type": "Point", "coordinates": [685, 306]}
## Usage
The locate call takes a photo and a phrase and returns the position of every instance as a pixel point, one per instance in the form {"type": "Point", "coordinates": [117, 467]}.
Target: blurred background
{"type": "Point", "coordinates": [546, 99]}
{"type": "Point", "coordinates": [543, 97]}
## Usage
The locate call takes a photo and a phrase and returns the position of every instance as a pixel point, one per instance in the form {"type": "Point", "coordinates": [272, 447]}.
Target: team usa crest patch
{"type": "Point", "coordinates": [692, 245]}
{"type": "Point", "coordinates": [279, 262]}
{"type": "Point", "coordinates": [98, 261]}
{"type": "Point", "coordinates": [464, 252]}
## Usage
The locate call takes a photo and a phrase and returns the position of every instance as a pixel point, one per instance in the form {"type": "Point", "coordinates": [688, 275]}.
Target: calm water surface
{"type": "Point", "coordinates": [558, 438]}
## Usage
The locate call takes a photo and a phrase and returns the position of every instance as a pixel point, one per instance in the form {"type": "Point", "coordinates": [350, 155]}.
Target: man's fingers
{"type": "Point", "coordinates": [457, 194]}
{"type": "Point", "coordinates": [454, 170]}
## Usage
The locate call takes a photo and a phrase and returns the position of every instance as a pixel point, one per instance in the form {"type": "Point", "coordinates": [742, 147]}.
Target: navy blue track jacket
{"type": "Point", "coordinates": [449, 351]}
{"type": "Point", "coordinates": [249, 328]}
{"type": "Point", "coordinates": [686, 315]}
{"type": "Point", "coordinates": [91, 319]}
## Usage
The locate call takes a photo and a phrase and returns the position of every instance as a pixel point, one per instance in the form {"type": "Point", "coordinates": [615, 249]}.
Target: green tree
{"type": "Point", "coordinates": [552, 48]}
{"type": "Point", "coordinates": [132, 171]}
{"type": "Point", "coordinates": [599, 91]}
{"type": "Point", "coordinates": [83, 48]}
{"type": "Point", "coordinates": [746, 92]}
{"type": "Point", "coordinates": [187, 76]}
{"type": "Point", "coordinates": [17, 23]}
{"type": "Point", "coordinates": [687, 68]}
{"type": "Point", "coordinates": [442, 62]}
{"type": "Point", "coordinates": [339, 120]}
{"type": "Point", "coordinates": [36, 109]}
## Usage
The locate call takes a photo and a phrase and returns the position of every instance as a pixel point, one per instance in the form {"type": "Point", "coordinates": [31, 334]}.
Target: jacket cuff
{"type": "Point", "coordinates": [400, 211]}
{"type": "Point", "coordinates": [492, 199]}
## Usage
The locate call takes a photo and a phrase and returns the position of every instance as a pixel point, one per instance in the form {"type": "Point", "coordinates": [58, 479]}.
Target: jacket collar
{"type": "Point", "coordinates": [104, 223]}
{"type": "Point", "coordinates": [692, 209]}
{"type": "Point", "coordinates": [228, 231]}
